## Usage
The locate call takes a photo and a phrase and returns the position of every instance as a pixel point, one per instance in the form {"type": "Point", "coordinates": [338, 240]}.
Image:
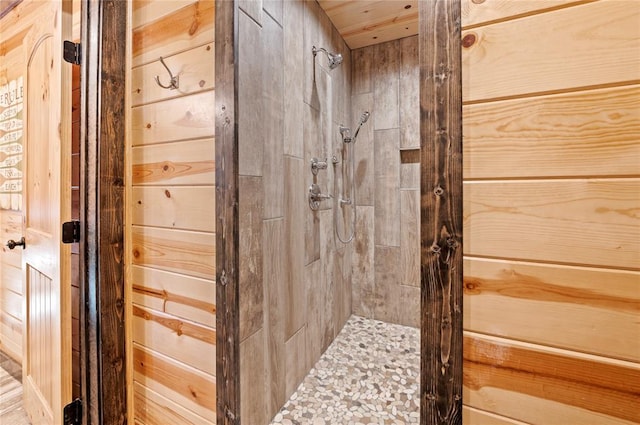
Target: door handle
{"type": "Point", "coordinates": [12, 244]}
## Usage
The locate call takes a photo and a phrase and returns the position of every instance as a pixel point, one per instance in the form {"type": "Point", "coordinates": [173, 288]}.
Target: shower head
{"type": "Point", "coordinates": [335, 59]}
{"type": "Point", "coordinates": [363, 119]}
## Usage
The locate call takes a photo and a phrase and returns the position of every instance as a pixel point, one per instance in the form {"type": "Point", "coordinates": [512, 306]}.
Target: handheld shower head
{"type": "Point", "coordinates": [364, 117]}
{"type": "Point", "coordinates": [335, 59]}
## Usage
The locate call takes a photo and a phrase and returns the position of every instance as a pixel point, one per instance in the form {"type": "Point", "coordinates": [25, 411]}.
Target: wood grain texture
{"type": "Point", "coordinates": [181, 118]}
{"type": "Point", "coordinates": [227, 224]}
{"type": "Point", "coordinates": [485, 12]}
{"type": "Point", "coordinates": [472, 416]}
{"type": "Point", "coordinates": [294, 248]}
{"type": "Point", "coordinates": [596, 40]}
{"type": "Point", "coordinates": [174, 337]}
{"type": "Point", "coordinates": [588, 133]}
{"type": "Point", "coordinates": [386, 88]}
{"type": "Point", "coordinates": [251, 280]}
{"type": "Point", "coordinates": [186, 252]}
{"type": "Point", "coordinates": [574, 388]}
{"type": "Point", "coordinates": [103, 134]}
{"type": "Point", "coordinates": [189, 26]}
{"type": "Point", "coordinates": [409, 94]}
{"type": "Point", "coordinates": [190, 387]}
{"type": "Point", "coordinates": [410, 237]}
{"type": "Point", "coordinates": [177, 207]}
{"type": "Point", "coordinates": [192, 67]}
{"type": "Point", "coordinates": [572, 306]}
{"type": "Point", "coordinates": [363, 23]}
{"type": "Point", "coordinates": [387, 187]}
{"type": "Point", "coordinates": [185, 163]}
{"type": "Point", "coordinates": [152, 408]}
{"type": "Point", "coordinates": [441, 218]}
{"type": "Point", "coordinates": [588, 222]}
{"type": "Point", "coordinates": [179, 295]}
{"type": "Point", "coordinates": [272, 37]}
{"type": "Point", "coordinates": [146, 11]}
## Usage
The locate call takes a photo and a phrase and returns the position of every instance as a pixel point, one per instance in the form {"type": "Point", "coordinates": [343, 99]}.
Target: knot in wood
{"type": "Point", "coordinates": [438, 191]}
{"type": "Point", "coordinates": [223, 278]}
{"type": "Point", "coordinates": [435, 249]}
{"type": "Point", "coordinates": [452, 243]}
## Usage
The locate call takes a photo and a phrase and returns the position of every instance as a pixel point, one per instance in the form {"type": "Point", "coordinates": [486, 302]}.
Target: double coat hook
{"type": "Point", "coordinates": [174, 83]}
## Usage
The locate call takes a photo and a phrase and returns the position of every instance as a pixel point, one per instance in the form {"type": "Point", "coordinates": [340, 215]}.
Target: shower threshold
{"type": "Point", "coordinates": [370, 374]}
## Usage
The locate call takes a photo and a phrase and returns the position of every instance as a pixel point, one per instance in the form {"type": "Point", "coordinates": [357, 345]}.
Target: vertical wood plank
{"type": "Point", "coordinates": [227, 241]}
{"type": "Point", "coordinates": [103, 133]}
{"type": "Point", "coordinates": [441, 212]}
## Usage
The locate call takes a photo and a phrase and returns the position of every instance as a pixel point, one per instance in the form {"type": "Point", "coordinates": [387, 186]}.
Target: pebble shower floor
{"type": "Point", "coordinates": [369, 375]}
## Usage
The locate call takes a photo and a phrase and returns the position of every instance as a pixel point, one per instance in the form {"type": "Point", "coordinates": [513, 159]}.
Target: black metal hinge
{"type": "Point", "coordinates": [73, 413]}
{"type": "Point", "coordinates": [71, 232]}
{"type": "Point", "coordinates": [71, 52]}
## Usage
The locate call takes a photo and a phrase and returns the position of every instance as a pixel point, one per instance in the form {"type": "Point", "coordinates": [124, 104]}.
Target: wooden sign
{"type": "Point", "coordinates": [11, 134]}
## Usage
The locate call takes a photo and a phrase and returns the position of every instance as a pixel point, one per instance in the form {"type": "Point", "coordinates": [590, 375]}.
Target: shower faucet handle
{"type": "Point", "coordinates": [315, 196]}
{"type": "Point", "coordinates": [316, 165]}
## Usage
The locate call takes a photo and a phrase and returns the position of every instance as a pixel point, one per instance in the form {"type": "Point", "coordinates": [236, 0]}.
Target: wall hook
{"type": "Point", "coordinates": [173, 84]}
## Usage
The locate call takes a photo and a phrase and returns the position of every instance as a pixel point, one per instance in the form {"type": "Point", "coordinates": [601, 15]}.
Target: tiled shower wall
{"type": "Point", "coordinates": [385, 83]}
{"type": "Point", "coordinates": [295, 282]}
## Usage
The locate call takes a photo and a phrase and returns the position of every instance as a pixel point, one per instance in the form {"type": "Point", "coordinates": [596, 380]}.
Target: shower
{"type": "Point", "coordinates": [348, 140]}
{"type": "Point", "coordinates": [335, 59]}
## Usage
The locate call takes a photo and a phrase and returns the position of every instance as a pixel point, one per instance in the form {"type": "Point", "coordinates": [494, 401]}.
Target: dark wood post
{"type": "Point", "coordinates": [227, 228]}
{"type": "Point", "coordinates": [103, 130]}
{"type": "Point", "coordinates": [441, 211]}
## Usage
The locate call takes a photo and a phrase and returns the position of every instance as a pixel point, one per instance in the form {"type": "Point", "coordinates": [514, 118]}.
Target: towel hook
{"type": "Point", "coordinates": [173, 84]}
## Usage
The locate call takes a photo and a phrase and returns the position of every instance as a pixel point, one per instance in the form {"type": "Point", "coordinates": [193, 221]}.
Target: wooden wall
{"type": "Point", "coordinates": [172, 225]}
{"type": "Point", "coordinates": [295, 287]}
{"type": "Point", "coordinates": [386, 265]}
{"type": "Point", "coordinates": [551, 122]}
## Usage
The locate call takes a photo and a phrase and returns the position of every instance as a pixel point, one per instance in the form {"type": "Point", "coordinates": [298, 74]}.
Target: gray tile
{"type": "Point", "coordinates": [387, 292]}
{"type": "Point", "coordinates": [386, 85]}
{"type": "Point", "coordinates": [274, 288]}
{"type": "Point", "coordinates": [253, 8]}
{"type": "Point", "coordinates": [364, 150]}
{"type": "Point", "coordinates": [294, 61]}
{"type": "Point", "coordinates": [409, 93]}
{"type": "Point", "coordinates": [251, 255]}
{"type": "Point", "coordinates": [387, 185]}
{"type": "Point", "coordinates": [252, 405]}
{"type": "Point", "coordinates": [363, 284]}
{"type": "Point", "coordinates": [273, 110]}
{"type": "Point", "coordinates": [296, 241]}
{"type": "Point", "coordinates": [250, 112]}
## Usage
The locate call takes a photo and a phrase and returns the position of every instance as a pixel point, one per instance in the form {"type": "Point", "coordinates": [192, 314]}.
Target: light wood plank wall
{"type": "Point", "coordinates": [386, 267]}
{"type": "Point", "coordinates": [551, 122]}
{"type": "Point", "coordinates": [295, 277]}
{"type": "Point", "coordinates": [171, 196]}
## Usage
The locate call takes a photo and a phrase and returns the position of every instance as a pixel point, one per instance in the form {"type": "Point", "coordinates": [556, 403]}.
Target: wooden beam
{"type": "Point", "coordinates": [441, 212]}
{"type": "Point", "coordinates": [227, 216]}
{"type": "Point", "coordinates": [103, 134]}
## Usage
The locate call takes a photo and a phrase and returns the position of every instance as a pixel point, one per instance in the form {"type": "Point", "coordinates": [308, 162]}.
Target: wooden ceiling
{"type": "Point", "coordinates": [365, 22]}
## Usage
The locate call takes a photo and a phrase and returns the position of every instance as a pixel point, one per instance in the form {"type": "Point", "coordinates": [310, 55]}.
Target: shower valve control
{"type": "Point", "coordinates": [316, 165]}
{"type": "Point", "coordinates": [315, 196]}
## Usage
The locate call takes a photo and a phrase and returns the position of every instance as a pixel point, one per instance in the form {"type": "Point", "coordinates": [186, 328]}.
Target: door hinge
{"type": "Point", "coordinates": [71, 232]}
{"type": "Point", "coordinates": [73, 413]}
{"type": "Point", "coordinates": [71, 52]}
